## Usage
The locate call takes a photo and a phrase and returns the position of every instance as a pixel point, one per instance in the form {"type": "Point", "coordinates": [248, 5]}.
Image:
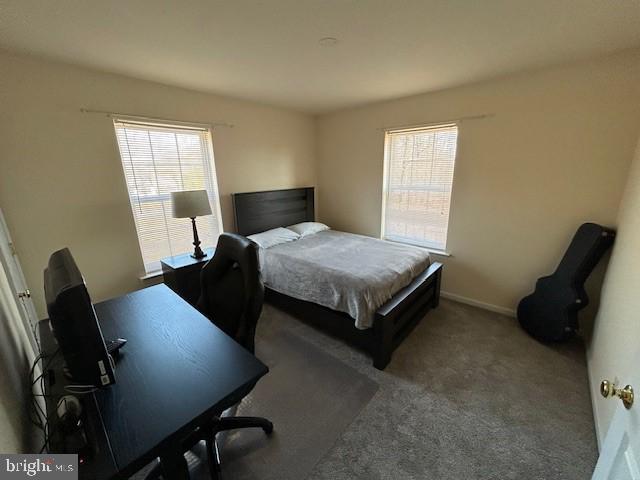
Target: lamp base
{"type": "Point", "coordinates": [198, 254]}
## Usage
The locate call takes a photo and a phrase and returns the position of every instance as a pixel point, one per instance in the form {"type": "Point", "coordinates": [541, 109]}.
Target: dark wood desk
{"type": "Point", "coordinates": [182, 274]}
{"type": "Point", "coordinates": [173, 374]}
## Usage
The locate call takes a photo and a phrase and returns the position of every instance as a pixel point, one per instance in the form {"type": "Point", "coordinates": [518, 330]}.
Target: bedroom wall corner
{"type": "Point", "coordinates": [553, 154]}
{"type": "Point", "coordinates": [62, 182]}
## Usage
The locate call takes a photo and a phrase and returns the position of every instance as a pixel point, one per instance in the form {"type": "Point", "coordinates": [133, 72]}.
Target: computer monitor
{"type": "Point", "coordinates": [74, 322]}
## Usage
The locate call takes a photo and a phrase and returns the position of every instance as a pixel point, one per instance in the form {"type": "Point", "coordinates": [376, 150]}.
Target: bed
{"type": "Point", "coordinates": [369, 292]}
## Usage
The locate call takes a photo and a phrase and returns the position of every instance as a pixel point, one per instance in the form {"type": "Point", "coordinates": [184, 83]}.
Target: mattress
{"type": "Point", "coordinates": [349, 273]}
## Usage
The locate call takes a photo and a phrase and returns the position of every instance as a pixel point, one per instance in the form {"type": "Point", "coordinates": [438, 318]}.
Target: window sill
{"type": "Point", "coordinates": [440, 253]}
{"type": "Point", "coordinates": [434, 251]}
{"type": "Point", "coordinates": [150, 276]}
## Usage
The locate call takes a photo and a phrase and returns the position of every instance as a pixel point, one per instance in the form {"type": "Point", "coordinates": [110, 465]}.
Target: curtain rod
{"type": "Point", "coordinates": [156, 119]}
{"type": "Point", "coordinates": [441, 122]}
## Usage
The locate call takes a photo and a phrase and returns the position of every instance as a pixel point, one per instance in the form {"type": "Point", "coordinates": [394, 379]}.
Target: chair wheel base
{"type": "Point", "coordinates": [268, 429]}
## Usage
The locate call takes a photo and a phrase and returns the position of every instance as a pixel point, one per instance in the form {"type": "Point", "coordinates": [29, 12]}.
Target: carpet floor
{"type": "Point", "coordinates": [468, 395]}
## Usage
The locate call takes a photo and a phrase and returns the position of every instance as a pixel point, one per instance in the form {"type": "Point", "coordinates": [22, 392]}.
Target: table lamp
{"type": "Point", "coordinates": [192, 204]}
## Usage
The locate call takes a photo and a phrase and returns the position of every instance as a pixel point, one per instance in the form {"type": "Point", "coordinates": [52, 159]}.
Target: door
{"type": "Point", "coordinates": [18, 285]}
{"type": "Point", "coordinates": [620, 452]}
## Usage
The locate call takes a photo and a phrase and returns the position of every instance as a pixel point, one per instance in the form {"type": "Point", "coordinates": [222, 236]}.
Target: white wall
{"type": "Point", "coordinates": [62, 182]}
{"type": "Point", "coordinates": [615, 341]}
{"type": "Point", "coordinates": [17, 435]}
{"type": "Point", "coordinates": [554, 154]}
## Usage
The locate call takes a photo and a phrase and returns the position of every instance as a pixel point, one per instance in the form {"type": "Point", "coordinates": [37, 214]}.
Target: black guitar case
{"type": "Point", "coordinates": [550, 313]}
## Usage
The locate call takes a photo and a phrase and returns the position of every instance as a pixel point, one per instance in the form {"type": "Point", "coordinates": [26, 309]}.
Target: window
{"type": "Point", "coordinates": [157, 160]}
{"type": "Point", "coordinates": [417, 185]}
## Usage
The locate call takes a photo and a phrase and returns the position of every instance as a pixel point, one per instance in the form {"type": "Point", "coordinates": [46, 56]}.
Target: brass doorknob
{"type": "Point", "coordinates": [608, 389]}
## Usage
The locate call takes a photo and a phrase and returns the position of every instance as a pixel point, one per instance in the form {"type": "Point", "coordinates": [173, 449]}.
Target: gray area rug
{"type": "Point", "coordinates": [310, 396]}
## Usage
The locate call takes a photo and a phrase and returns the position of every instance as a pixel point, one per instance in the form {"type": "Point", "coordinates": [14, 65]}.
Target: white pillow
{"type": "Point", "coordinates": [273, 237]}
{"type": "Point", "coordinates": [307, 228]}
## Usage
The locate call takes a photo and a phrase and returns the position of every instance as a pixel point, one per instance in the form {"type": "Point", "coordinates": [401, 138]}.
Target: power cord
{"type": "Point", "coordinates": [37, 415]}
{"type": "Point", "coordinates": [41, 420]}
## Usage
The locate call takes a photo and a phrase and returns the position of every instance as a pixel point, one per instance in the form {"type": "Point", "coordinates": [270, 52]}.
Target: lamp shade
{"type": "Point", "coordinates": [190, 203]}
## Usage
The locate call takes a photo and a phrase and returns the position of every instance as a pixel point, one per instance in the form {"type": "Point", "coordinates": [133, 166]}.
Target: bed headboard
{"type": "Point", "coordinates": [259, 211]}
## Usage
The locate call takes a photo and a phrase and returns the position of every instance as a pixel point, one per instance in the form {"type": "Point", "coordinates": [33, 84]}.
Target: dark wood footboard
{"type": "Point", "coordinates": [393, 321]}
{"type": "Point", "coordinates": [396, 318]}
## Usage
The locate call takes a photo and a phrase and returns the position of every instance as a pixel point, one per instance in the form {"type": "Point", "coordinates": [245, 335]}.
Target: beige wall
{"type": "Point", "coordinates": [554, 154]}
{"type": "Point", "coordinates": [614, 345]}
{"type": "Point", "coordinates": [61, 181]}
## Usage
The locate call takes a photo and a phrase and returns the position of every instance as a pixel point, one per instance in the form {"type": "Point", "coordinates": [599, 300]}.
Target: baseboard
{"type": "Point", "coordinates": [476, 303]}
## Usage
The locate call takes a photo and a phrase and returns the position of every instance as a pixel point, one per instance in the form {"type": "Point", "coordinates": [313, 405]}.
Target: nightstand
{"type": "Point", "coordinates": [182, 274]}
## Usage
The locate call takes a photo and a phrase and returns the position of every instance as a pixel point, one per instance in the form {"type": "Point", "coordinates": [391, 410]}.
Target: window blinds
{"type": "Point", "coordinates": [419, 167]}
{"type": "Point", "coordinates": [158, 160]}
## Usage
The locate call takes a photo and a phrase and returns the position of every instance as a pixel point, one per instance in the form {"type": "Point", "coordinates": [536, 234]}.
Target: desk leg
{"type": "Point", "coordinates": [174, 465]}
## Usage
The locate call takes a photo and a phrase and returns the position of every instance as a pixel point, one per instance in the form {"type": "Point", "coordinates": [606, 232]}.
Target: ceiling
{"type": "Point", "coordinates": [268, 51]}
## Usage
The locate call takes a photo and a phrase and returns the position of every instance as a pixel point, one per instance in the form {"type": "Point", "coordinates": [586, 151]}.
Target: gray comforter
{"type": "Point", "coordinates": [342, 271]}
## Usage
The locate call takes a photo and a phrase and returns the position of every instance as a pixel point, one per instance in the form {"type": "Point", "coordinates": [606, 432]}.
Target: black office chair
{"type": "Point", "coordinates": [231, 297]}
{"type": "Point", "coordinates": [231, 289]}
